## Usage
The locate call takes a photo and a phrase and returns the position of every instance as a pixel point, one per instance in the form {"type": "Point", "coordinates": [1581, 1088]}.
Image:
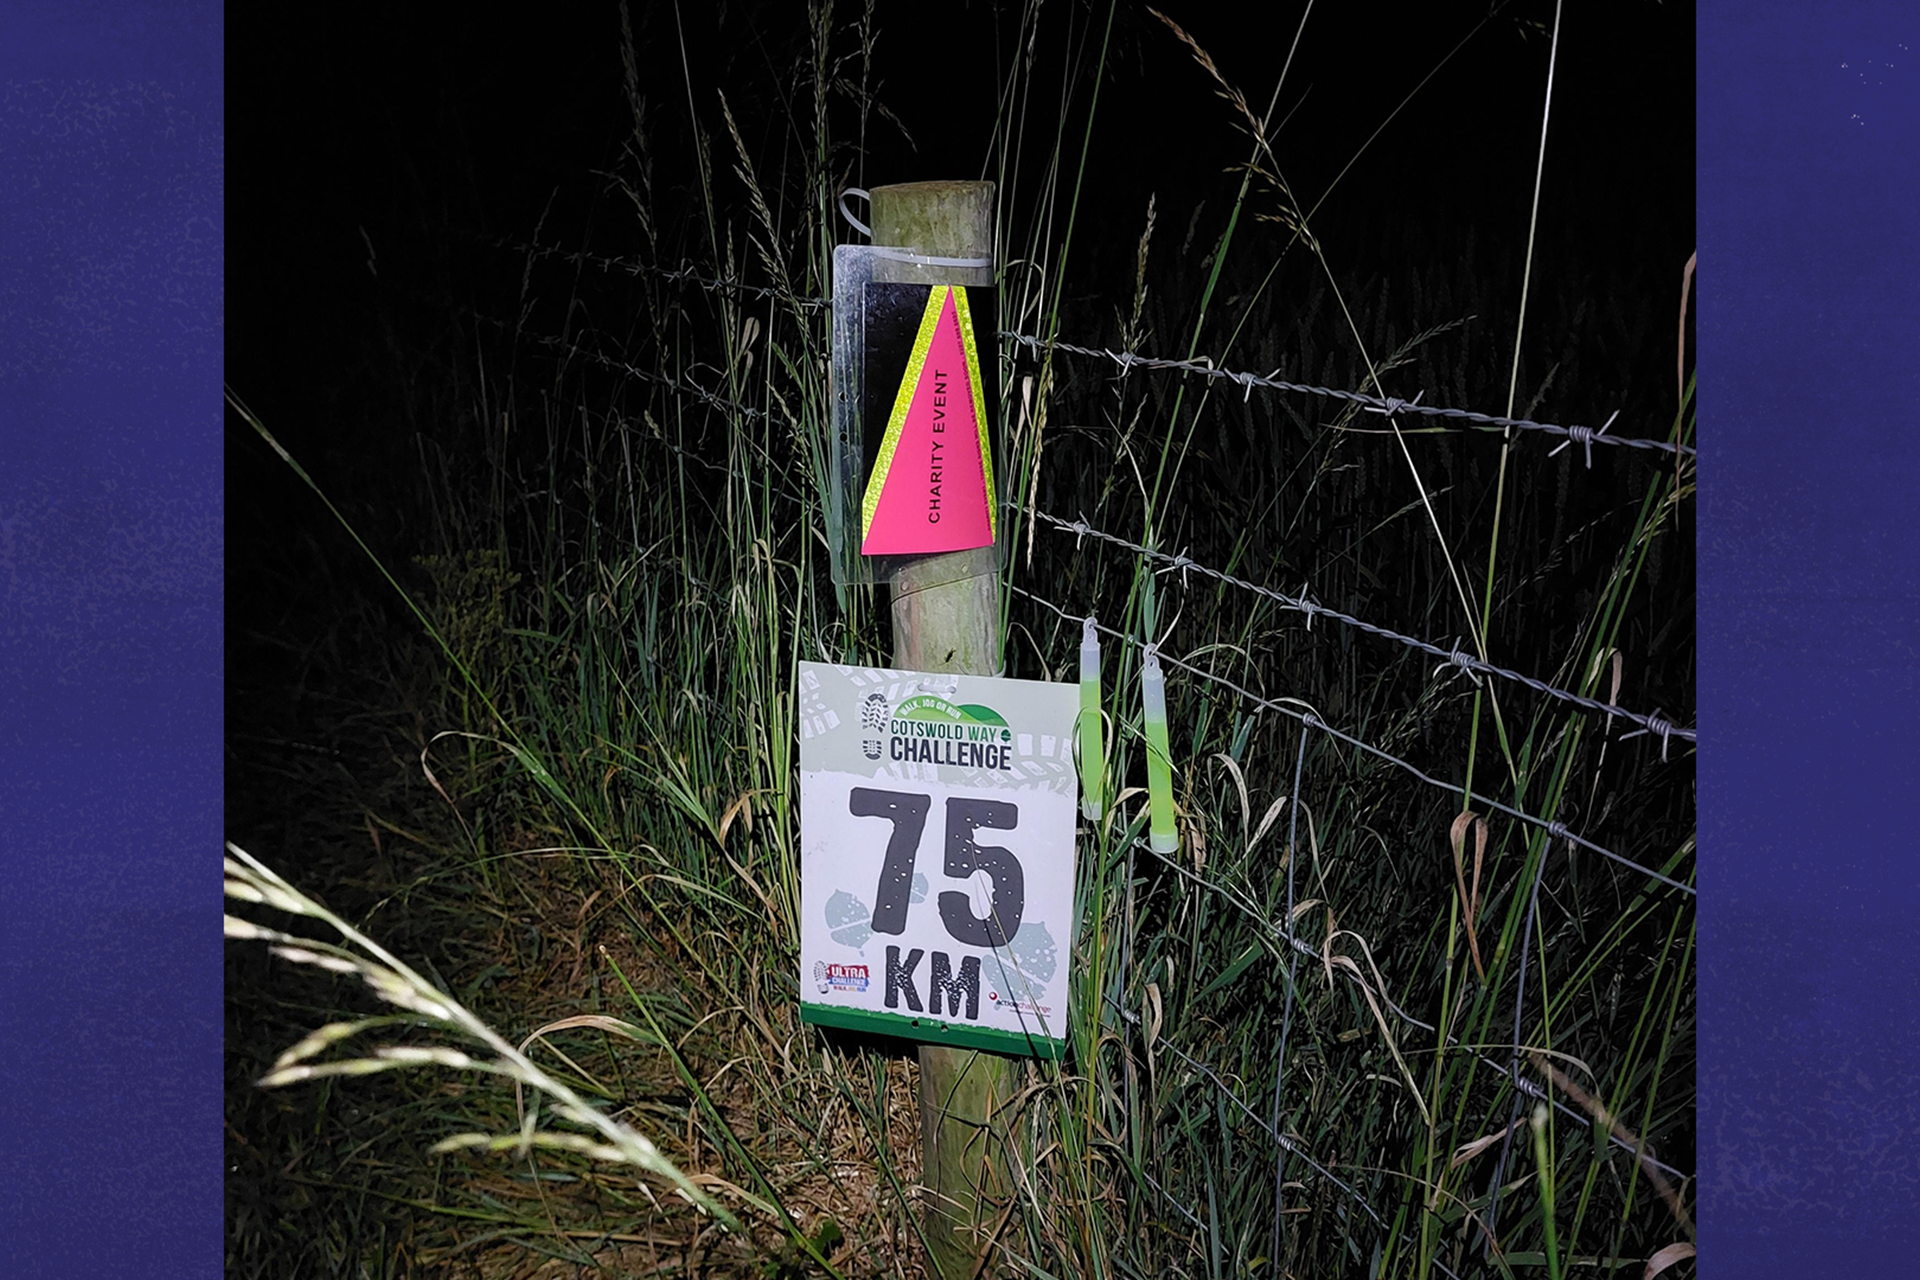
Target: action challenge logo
{"type": "Point", "coordinates": [928, 729]}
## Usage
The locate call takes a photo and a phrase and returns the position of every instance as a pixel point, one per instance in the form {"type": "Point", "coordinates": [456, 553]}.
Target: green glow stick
{"type": "Point", "coordinates": [1091, 765]}
{"type": "Point", "coordinates": [1153, 689]}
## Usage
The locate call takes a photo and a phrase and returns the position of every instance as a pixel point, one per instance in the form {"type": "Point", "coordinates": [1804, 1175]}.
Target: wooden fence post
{"type": "Point", "coordinates": [946, 617]}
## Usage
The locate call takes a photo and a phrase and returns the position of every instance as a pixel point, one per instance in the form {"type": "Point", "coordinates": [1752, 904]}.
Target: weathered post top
{"type": "Point", "coordinates": [946, 608]}
{"type": "Point", "coordinates": [938, 219]}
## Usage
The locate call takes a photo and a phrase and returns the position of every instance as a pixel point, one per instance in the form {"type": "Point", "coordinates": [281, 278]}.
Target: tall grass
{"type": "Point", "coordinates": [1320, 1040]}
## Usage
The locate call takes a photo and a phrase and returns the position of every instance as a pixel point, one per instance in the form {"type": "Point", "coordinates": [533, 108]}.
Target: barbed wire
{"type": "Point", "coordinates": [574, 349]}
{"type": "Point", "coordinates": [1649, 724]}
{"type": "Point", "coordinates": [1655, 723]}
{"type": "Point", "coordinates": [1584, 436]}
{"type": "Point", "coordinates": [1300, 946]}
{"type": "Point", "coordinates": [683, 274]}
{"type": "Point", "coordinates": [1385, 405]}
{"type": "Point", "coordinates": [1280, 1139]}
{"type": "Point", "coordinates": [1554, 829]}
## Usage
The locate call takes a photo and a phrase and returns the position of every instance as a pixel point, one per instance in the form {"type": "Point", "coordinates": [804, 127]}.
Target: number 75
{"type": "Point", "coordinates": [907, 812]}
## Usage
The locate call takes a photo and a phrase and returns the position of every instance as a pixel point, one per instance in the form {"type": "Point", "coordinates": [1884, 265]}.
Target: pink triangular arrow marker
{"type": "Point", "coordinates": [930, 489]}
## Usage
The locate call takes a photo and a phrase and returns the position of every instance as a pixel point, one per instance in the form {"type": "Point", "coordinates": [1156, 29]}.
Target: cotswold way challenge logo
{"type": "Point", "coordinates": [927, 729]}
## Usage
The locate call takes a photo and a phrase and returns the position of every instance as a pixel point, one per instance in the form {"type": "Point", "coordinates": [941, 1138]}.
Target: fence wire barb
{"type": "Point", "coordinates": [1458, 657]}
{"type": "Point", "coordinates": [1308, 718]}
{"type": "Point", "coordinates": [1657, 726]}
{"type": "Point", "coordinates": [1584, 436]}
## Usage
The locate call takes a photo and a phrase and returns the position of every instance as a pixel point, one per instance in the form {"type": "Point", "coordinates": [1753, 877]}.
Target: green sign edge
{"type": "Point", "coordinates": [933, 1031]}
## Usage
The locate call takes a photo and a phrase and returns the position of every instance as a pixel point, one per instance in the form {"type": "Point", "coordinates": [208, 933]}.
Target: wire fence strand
{"type": "Point", "coordinates": [1508, 1072]}
{"type": "Point", "coordinates": [1553, 828]}
{"type": "Point", "coordinates": [1654, 724]}
{"type": "Point", "coordinates": [683, 274]}
{"type": "Point", "coordinates": [1387, 406]}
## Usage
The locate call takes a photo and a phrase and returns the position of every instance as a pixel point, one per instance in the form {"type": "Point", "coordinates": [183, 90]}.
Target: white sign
{"type": "Point", "coordinates": [936, 856]}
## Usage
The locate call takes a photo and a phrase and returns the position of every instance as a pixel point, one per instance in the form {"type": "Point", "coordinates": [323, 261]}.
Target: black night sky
{"type": "Point", "coordinates": [421, 130]}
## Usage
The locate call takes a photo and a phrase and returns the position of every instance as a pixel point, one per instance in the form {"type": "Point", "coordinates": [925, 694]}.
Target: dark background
{"type": "Point", "coordinates": [416, 130]}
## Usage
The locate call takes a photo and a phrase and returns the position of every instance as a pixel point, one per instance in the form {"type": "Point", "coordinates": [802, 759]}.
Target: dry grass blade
{"type": "Point", "coordinates": [1266, 823]}
{"type": "Point", "coordinates": [1386, 1032]}
{"type": "Point", "coordinates": [1665, 1258]}
{"type": "Point", "coordinates": [741, 808]}
{"type": "Point", "coordinates": [595, 1021]}
{"type": "Point", "coordinates": [1240, 786]}
{"type": "Point", "coordinates": [1469, 901]}
{"type": "Point", "coordinates": [251, 880]}
{"type": "Point", "coordinates": [1471, 1149]}
{"type": "Point", "coordinates": [1601, 1116]}
{"type": "Point", "coordinates": [1680, 373]}
{"type": "Point", "coordinates": [599, 1022]}
{"type": "Point", "coordinates": [1255, 125]}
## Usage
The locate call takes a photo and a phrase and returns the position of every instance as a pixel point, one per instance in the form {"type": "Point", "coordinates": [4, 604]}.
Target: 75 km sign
{"type": "Point", "coordinates": [936, 856]}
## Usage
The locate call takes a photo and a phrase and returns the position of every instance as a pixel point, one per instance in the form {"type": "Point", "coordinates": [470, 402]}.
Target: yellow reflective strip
{"type": "Point", "coordinates": [902, 401]}
{"type": "Point", "coordinates": [965, 315]}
